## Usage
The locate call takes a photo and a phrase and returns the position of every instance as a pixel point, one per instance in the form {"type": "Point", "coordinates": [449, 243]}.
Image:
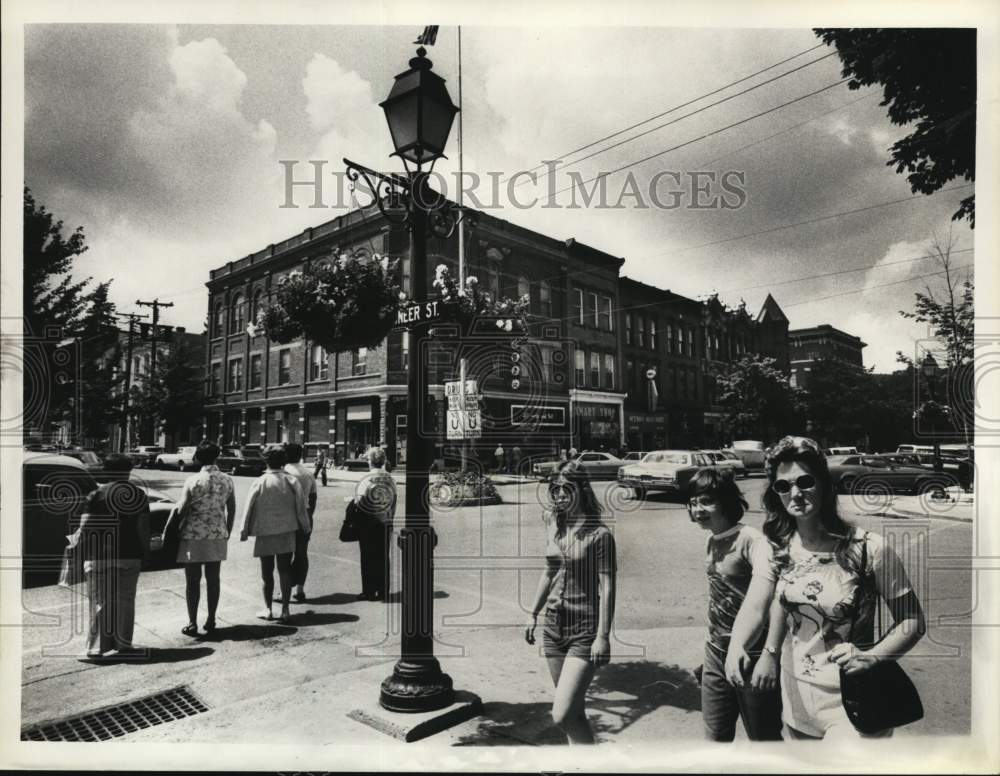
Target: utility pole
{"type": "Point", "coordinates": [463, 362]}
{"type": "Point", "coordinates": [156, 304]}
{"type": "Point", "coordinates": [132, 318]}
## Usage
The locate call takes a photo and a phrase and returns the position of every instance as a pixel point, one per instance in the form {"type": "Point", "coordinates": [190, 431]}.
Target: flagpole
{"type": "Point", "coordinates": [462, 363]}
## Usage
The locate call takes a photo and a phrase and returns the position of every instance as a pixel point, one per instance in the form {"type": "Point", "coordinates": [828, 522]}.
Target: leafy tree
{"type": "Point", "coordinates": [928, 76]}
{"type": "Point", "coordinates": [175, 394]}
{"type": "Point", "coordinates": [757, 398]}
{"type": "Point", "coordinates": [51, 296]}
{"type": "Point", "coordinates": [100, 406]}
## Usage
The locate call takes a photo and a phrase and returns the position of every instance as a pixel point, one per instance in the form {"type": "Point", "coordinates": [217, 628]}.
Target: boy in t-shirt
{"type": "Point", "coordinates": [741, 583]}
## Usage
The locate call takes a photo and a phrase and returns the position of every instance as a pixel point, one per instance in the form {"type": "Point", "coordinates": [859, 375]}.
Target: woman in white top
{"type": "Point", "coordinates": [824, 600]}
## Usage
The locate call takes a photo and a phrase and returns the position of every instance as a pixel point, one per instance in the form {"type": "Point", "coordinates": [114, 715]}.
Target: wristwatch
{"type": "Point", "coordinates": [771, 650]}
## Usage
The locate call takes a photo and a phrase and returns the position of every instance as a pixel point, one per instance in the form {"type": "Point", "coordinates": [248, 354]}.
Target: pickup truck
{"type": "Point", "coordinates": [181, 460]}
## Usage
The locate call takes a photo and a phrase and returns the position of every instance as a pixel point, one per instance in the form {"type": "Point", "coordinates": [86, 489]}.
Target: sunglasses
{"type": "Point", "coordinates": [703, 501]}
{"type": "Point", "coordinates": [804, 482]}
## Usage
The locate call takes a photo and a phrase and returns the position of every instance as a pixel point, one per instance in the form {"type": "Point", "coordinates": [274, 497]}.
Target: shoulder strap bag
{"type": "Point", "coordinates": [349, 528]}
{"type": "Point", "coordinates": [883, 696]}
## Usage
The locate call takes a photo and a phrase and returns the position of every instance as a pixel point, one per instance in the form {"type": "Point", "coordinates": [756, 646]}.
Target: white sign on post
{"type": "Point", "coordinates": [464, 424]}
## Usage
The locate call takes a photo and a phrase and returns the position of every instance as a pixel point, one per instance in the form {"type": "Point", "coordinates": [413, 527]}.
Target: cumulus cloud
{"type": "Point", "coordinates": [200, 145]}
{"type": "Point", "coordinates": [841, 129]}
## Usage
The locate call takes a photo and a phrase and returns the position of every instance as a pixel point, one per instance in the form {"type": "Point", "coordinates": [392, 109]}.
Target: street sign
{"type": "Point", "coordinates": [417, 312]}
{"type": "Point", "coordinates": [464, 424]}
{"type": "Point", "coordinates": [451, 388]}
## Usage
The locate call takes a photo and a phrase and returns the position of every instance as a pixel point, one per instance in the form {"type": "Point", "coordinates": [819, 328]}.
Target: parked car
{"type": "Point", "coordinates": [635, 456]}
{"type": "Point", "coordinates": [841, 451]}
{"type": "Point", "coordinates": [900, 459]}
{"type": "Point", "coordinates": [872, 473]}
{"type": "Point", "coordinates": [666, 471]}
{"type": "Point", "coordinates": [55, 488]}
{"type": "Point", "coordinates": [144, 456]}
{"type": "Point", "coordinates": [181, 460]}
{"type": "Point", "coordinates": [246, 460]}
{"type": "Point", "coordinates": [597, 464]}
{"type": "Point", "coordinates": [91, 461]}
{"type": "Point", "coordinates": [729, 459]}
{"type": "Point", "coordinates": [160, 507]}
{"type": "Point", "coordinates": [751, 452]}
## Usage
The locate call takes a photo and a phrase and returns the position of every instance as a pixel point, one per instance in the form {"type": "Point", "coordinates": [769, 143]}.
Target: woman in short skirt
{"type": "Point", "coordinates": [276, 508]}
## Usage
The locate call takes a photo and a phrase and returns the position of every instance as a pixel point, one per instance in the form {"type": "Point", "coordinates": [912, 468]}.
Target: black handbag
{"type": "Point", "coordinates": [349, 528]}
{"type": "Point", "coordinates": [883, 696]}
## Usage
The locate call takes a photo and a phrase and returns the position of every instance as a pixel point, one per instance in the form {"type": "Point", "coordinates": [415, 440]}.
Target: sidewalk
{"type": "Point", "coordinates": [296, 684]}
{"type": "Point", "coordinates": [959, 506]}
{"type": "Point", "coordinates": [399, 476]}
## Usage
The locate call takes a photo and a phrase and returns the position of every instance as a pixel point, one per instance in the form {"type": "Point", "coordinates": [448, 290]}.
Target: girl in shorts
{"type": "Point", "coordinates": [577, 590]}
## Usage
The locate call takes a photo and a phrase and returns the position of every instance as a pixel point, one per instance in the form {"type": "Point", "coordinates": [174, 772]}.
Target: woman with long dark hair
{"type": "Point", "coordinates": [741, 584]}
{"type": "Point", "coordinates": [830, 574]}
{"type": "Point", "coordinates": [577, 590]}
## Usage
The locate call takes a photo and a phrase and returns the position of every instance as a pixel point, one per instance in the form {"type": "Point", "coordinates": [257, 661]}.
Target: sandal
{"type": "Point", "coordinates": [266, 614]}
{"type": "Point", "coordinates": [209, 626]}
{"type": "Point", "coordinates": [190, 629]}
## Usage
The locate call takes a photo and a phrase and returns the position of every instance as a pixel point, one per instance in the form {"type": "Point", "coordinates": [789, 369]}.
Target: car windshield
{"type": "Point", "coordinates": [251, 454]}
{"type": "Point", "coordinates": [87, 457]}
{"type": "Point", "coordinates": [730, 455]}
{"type": "Point", "coordinates": [876, 463]}
{"type": "Point", "coordinates": [673, 458]}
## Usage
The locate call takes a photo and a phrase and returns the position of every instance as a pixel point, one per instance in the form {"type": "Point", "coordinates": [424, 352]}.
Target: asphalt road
{"type": "Point", "coordinates": [487, 562]}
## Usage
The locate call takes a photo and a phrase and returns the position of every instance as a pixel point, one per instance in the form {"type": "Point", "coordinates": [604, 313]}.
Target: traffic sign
{"type": "Point", "coordinates": [464, 424]}
{"type": "Point", "coordinates": [451, 388]}
{"type": "Point", "coordinates": [417, 312]}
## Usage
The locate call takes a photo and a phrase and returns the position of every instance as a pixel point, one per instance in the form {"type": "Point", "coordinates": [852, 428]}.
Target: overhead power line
{"type": "Point", "coordinates": [703, 137]}
{"type": "Point", "coordinates": [685, 116]}
{"type": "Point", "coordinates": [683, 105]}
{"type": "Point", "coordinates": [880, 285]}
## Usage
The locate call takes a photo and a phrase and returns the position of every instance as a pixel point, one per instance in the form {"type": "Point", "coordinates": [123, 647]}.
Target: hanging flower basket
{"type": "Point", "coordinates": [454, 489]}
{"type": "Point", "coordinates": [472, 303]}
{"type": "Point", "coordinates": [933, 413]}
{"type": "Point", "coordinates": [347, 304]}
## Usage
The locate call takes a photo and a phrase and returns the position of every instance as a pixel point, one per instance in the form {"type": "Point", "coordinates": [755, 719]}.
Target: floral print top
{"type": "Point", "coordinates": [205, 495]}
{"type": "Point", "coordinates": [819, 598]}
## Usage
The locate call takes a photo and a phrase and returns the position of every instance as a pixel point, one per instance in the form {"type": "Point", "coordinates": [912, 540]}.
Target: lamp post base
{"type": "Point", "coordinates": [417, 686]}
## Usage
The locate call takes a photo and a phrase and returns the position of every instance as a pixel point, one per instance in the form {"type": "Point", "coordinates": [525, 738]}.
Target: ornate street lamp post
{"type": "Point", "coordinates": [932, 371]}
{"type": "Point", "coordinates": [419, 112]}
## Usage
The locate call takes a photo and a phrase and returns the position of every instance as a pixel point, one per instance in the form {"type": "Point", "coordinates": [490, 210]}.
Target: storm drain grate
{"type": "Point", "coordinates": [121, 719]}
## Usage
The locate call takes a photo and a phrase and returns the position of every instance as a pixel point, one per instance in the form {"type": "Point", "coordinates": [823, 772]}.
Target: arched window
{"type": "Point", "coordinates": [237, 320]}
{"type": "Point", "coordinates": [523, 288]}
{"type": "Point", "coordinates": [257, 305]}
{"type": "Point", "coordinates": [218, 325]}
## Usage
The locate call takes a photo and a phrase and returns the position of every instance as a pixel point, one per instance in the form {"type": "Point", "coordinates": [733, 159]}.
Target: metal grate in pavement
{"type": "Point", "coordinates": [120, 719]}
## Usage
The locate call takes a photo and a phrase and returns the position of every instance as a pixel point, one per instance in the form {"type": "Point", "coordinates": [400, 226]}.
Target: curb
{"type": "Point", "coordinates": [906, 515]}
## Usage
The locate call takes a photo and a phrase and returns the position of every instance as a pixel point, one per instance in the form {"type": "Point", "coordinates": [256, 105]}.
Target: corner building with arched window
{"type": "Point", "coordinates": [573, 385]}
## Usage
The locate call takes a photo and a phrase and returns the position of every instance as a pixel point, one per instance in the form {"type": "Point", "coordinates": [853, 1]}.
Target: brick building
{"type": "Point", "coordinates": [262, 392]}
{"type": "Point", "coordinates": [821, 342]}
{"type": "Point", "coordinates": [583, 372]}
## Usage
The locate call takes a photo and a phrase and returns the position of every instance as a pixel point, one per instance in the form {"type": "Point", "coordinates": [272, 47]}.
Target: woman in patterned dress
{"type": "Point", "coordinates": [208, 502]}
{"type": "Point", "coordinates": [577, 590]}
{"type": "Point", "coordinates": [824, 599]}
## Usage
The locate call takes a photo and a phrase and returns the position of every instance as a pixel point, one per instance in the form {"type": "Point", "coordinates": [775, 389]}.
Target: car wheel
{"type": "Point", "coordinates": [638, 494]}
{"type": "Point", "coordinates": [933, 489]}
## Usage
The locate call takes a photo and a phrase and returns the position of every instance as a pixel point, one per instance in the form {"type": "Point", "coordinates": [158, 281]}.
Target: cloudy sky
{"type": "Point", "coordinates": [164, 143]}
